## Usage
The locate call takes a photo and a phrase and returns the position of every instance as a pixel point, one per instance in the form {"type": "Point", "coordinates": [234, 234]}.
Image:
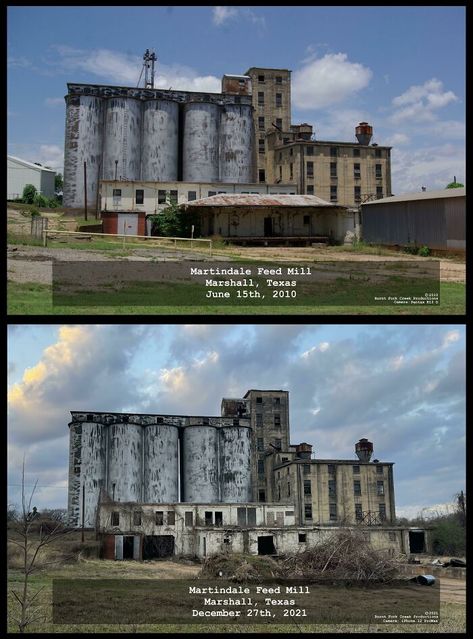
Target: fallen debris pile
{"type": "Point", "coordinates": [345, 555]}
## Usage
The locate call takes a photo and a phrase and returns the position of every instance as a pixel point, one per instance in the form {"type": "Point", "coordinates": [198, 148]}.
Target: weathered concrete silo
{"type": "Point", "coordinates": [125, 452]}
{"type": "Point", "coordinates": [93, 473]}
{"type": "Point", "coordinates": [122, 139]}
{"type": "Point", "coordinates": [161, 464]}
{"type": "Point", "coordinates": [235, 464]}
{"type": "Point", "coordinates": [160, 140]}
{"type": "Point", "coordinates": [236, 143]}
{"type": "Point", "coordinates": [201, 142]}
{"type": "Point", "coordinates": [83, 143]}
{"type": "Point", "coordinates": [200, 464]}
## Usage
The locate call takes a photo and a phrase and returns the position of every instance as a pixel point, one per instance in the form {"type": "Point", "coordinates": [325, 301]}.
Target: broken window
{"type": "Point", "coordinates": [379, 469]}
{"type": "Point", "coordinates": [308, 511]}
{"type": "Point", "coordinates": [333, 169]}
{"type": "Point", "coordinates": [260, 97]}
{"type": "Point", "coordinates": [262, 496]}
{"type": "Point", "coordinates": [218, 518]}
{"type": "Point", "coordinates": [377, 153]}
{"type": "Point", "coordinates": [356, 153]}
{"type": "Point", "coordinates": [310, 189]}
{"type": "Point", "coordinates": [356, 470]}
{"type": "Point", "coordinates": [378, 170]}
{"type": "Point", "coordinates": [139, 196]}
{"type": "Point", "coordinates": [333, 151]}
{"type": "Point", "coordinates": [357, 170]}
{"type": "Point", "coordinates": [159, 518]}
{"type": "Point", "coordinates": [307, 487]}
{"type": "Point", "coordinates": [302, 538]}
{"type": "Point", "coordinates": [260, 443]}
{"type": "Point", "coordinates": [310, 150]}
{"type": "Point", "coordinates": [161, 197]}
{"type": "Point", "coordinates": [261, 123]}
{"type": "Point", "coordinates": [333, 194]}
{"type": "Point", "coordinates": [261, 145]}
{"type": "Point", "coordinates": [278, 443]}
{"type": "Point", "coordinates": [279, 123]}
{"type": "Point", "coordinates": [332, 487]}
{"type": "Point", "coordinates": [277, 400]}
{"type": "Point", "coordinates": [358, 512]}
{"type": "Point", "coordinates": [210, 193]}
{"type": "Point", "coordinates": [136, 518]}
{"type": "Point", "coordinates": [117, 196]}
{"type": "Point", "coordinates": [261, 467]}
{"type": "Point", "coordinates": [380, 487]}
{"type": "Point", "coordinates": [259, 420]}
{"type": "Point", "coordinates": [277, 420]}
{"type": "Point", "coordinates": [289, 513]}
{"type": "Point", "coordinates": [310, 169]}
{"type": "Point", "coordinates": [332, 512]}
{"type": "Point", "coordinates": [262, 175]}
{"type": "Point", "coordinates": [306, 469]}
{"type": "Point", "coordinates": [357, 193]}
{"type": "Point", "coordinates": [331, 469]}
{"type": "Point", "coordinates": [209, 518]}
{"type": "Point", "coordinates": [251, 512]}
{"type": "Point", "coordinates": [382, 511]}
{"type": "Point", "coordinates": [278, 79]}
{"type": "Point", "coordinates": [171, 518]}
{"type": "Point", "coordinates": [279, 99]}
{"type": "Point", "coordinates": [259, 400]}
{"type": "Point", "coordinates": [115, 519]}
{"type": "Point", "coordinates": [261, 78]}
{"type": "Point", "coordinates": [191, 195]}
{"type": "Point", "coordinates": [283, 459]}
{"type": "Point", "coordinates": [189, 518]}
{"type": "Point", "coordinates": [357, 487]}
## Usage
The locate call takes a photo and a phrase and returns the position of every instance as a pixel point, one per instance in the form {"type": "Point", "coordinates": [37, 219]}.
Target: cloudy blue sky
{"type": "Point", "coordinates": [403, 387]}
{"type": "Point", "coordinates": [400, 68]}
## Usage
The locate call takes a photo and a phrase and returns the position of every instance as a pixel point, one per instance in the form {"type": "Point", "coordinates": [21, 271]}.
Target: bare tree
{"type": "Point", "coordinates": [26, 533]}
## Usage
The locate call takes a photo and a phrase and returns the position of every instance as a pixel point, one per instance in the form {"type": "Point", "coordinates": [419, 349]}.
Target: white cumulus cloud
{"type": "Point", "coordinates": [420, 102]}
{"type": "Point", "coordinates": [328, 80]}
{"type": "Point", "coordinates": [223, 14]}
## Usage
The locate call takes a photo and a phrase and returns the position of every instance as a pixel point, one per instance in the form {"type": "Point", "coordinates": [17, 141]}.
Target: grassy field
{"type": "Point", "coordinates": [27, 299]}
{"type": "Point", "coordinates": [452, 615]}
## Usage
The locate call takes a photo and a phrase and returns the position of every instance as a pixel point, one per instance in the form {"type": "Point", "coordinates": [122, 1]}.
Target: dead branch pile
{"type": "Point", "coordinates": [239, 568]}
{"type": "Point", "coordinates": [345, 555]}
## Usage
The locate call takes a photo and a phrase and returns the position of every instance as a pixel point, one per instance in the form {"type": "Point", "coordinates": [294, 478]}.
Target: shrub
{"type": "Point", "coordinates": [448, 537]}
{"type": "Point", "coordinates": [40, 200]}
{"type": "Point", "coordinates": [173, 222]}
{"type": "Point", "coordinates": [52, 203]}
{"type": "Point", "coordinates": [34, 211]}
{"type": "Point", "coordinates": [411, 249]}
{"type": "Point", "coordinates": [424, 251]}
{"type": "Point", "coordinates": [29, 193]}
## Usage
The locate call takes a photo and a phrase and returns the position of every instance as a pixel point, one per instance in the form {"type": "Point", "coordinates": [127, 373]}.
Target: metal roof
{"type": "Point", "coordinates": [423, 195]}
{"type": "Point", "coordinates": [240, 199]}
{"type": "Point", "coordinates": [29, 164]}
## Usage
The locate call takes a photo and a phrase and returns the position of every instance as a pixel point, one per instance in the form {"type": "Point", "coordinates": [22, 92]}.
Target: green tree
{"type": "Point", "coordinates": [29, 193]}
{"type": "Point", "coordinates": [58, 182]}
{"type": "Point", "coordinates": [40, 200]}
{"type": "Point", "coordinates": [174, 222]}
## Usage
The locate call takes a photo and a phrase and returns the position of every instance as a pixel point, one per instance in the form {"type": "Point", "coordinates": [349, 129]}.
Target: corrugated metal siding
{"type": "Point", "coordinates": [455, 210]}
{"type": "Point", "coordinates": [418, 222]}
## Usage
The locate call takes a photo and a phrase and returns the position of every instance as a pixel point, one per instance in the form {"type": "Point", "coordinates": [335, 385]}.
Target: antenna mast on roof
{"type": "Point", "coordinates": [149, 59]}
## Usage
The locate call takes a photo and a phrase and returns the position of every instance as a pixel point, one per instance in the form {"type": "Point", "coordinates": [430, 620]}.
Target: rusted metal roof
{"type": "Point", "coordinates": [240, 199]}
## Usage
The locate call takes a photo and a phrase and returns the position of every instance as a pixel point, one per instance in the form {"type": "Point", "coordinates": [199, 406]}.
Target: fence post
{"type": "Point", "coordinates": [45, 237]}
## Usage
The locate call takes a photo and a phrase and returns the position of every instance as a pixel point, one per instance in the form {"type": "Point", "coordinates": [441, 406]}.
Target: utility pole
{"type": "Point", "coordinates": [85, 190]}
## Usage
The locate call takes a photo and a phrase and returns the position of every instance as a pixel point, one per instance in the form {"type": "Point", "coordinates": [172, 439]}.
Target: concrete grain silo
{"type": "Point", "coordinates": [125, 451]}
{"type": "Point", "coordinates": [200, 464]}
{"type": "Point", "coordinates": [236, 143]}
{"type": "Point", "coordinates": [161, 463]}
{"type": "Point", "coordinates": [83, 143]}
{"type": "Point", "coordinates": [235, 464]}
{"type": "Point", "coordinates": [122, 139]}
{"type": "Point", "coordinates": [200, 159]}
{"type": "Point", "coordinates": [159, 160]}
{"type": "Point", "coordinates": [93, 475]}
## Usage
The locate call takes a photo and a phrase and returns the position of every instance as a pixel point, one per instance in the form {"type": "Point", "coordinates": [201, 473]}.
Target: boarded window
{"type": "Point", "coordinates": [251, 516]}
{"type": "Point", "coordinates": [136, 518]}
{"type": "Point", "coordinates": [159, 518]}
{"type": "Point", "coordinates": [171, 518]}
{"type": "Point", "coordinates": [189, 518]}
{"type": "Point", "coordinates": [241, 516]}
{"type": "Point", "coordinates": [270, 518]}
{"type": "Point", "coordinates": [280, 519]}
{"type": "Point", "coordinates": [115, 519]}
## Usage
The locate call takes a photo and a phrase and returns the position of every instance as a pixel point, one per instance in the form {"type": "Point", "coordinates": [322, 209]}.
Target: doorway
{"type": "Point", "coordinates": [268, 226]}
{"type": "Point", "coordinates": [128, 546]}
{"type": "Point", "coordinates": [158, 546]}
{"type": "Point", "coordinates": [416, 541]}
{"type": "Point", "coordinates": [266, 545]}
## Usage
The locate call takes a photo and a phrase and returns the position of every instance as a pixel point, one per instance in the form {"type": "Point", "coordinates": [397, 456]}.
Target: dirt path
{"type": "Point", "coordinates": [452, 590]}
